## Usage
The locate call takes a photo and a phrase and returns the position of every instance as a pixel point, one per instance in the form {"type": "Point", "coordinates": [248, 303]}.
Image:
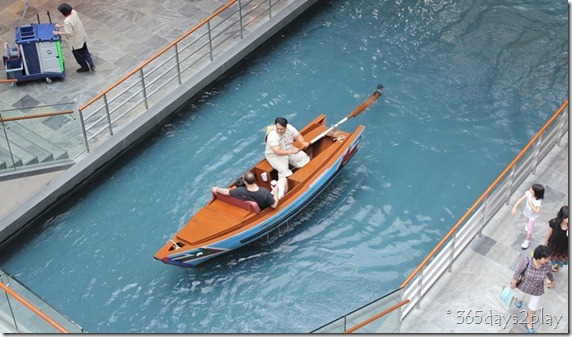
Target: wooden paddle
{"type": "Point", "coordinates": [354, 113]}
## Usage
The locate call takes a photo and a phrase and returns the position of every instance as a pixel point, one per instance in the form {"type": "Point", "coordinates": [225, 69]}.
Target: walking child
{"type": "Point", "coordinates": [531, 210]}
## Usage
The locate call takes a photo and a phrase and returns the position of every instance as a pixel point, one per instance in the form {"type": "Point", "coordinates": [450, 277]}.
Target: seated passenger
{"type": "Point", "coordinates": [280, 150]}
{"type": "Point", "coordinates": [251, 192]}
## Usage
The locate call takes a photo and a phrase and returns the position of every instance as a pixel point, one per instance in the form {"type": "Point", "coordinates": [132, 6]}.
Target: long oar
{"type": "Point", "coordinates": [354, 113]}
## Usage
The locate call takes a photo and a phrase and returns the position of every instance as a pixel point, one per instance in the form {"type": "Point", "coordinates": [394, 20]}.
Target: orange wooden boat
{"type": "Point", "coordinates": [227, 223]}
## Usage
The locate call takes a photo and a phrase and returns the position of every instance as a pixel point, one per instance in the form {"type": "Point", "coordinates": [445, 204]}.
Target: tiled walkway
{"type": "Point", "coordinates": [121, 36]}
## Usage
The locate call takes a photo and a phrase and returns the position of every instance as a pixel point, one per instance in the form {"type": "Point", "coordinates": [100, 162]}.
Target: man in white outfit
{"type": "Point", "coordinates": [280, 150]}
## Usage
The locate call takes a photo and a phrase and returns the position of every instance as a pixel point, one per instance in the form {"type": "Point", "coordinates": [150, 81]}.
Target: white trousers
{"type": "Point", "coordinates": [281, 163]}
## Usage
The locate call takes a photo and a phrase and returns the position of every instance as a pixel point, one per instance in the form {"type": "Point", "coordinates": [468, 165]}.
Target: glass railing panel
{"type": "Point", "coordinates": [387, 323]}
{"type": "Point", "coordinates": [6, 315]}
{"type": "Point", "coordinates": [27, 321]}
{"type": "Point", "coordinates": [40, 136]}
{"type": "Point", "coordinates": [23, 318]}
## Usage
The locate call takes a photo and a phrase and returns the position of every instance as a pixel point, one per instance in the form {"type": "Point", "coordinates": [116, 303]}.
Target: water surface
{"type": "Point", "coordinates": [467, 84]}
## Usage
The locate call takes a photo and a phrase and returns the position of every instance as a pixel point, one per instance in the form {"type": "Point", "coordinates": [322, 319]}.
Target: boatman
{"type": "Point", "coordinates": [280, 150]}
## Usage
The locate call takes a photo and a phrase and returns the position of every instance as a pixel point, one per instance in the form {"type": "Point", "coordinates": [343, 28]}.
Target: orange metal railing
{"type": "Point", "coordinates": [452, 244]}
{"type": "Point", "coordinates": [162, 73]}
{"type": "Point", "coordinates": [48, 114]}
{"type": "Point", "coordinates": [484, 195]}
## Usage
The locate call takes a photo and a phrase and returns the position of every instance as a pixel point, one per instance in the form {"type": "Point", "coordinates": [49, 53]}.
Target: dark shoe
{"type": "Point", "coordinates": [92, 68]}
{"type": "Point", "coordinates": [81, 70]}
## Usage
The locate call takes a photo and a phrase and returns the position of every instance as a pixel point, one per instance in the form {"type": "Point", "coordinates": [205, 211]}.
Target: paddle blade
{"type": "Point", "coordinates": [367, 103]}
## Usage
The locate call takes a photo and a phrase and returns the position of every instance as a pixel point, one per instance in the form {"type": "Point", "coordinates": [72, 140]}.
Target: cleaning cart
{"type": "Point", "coordinates": [36, 55]}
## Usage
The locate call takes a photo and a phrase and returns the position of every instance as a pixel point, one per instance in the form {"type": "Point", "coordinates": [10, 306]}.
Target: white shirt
{"type": "Point", "coordinates": [528, 211]}
{"type": "Point", "coordinates": [286, 141]}
{"type": "Point", "coordinates": [75, 33]}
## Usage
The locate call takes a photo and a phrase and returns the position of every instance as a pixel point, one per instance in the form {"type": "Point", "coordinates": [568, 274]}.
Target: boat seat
{"type": "Point", "coordinates": [250, 206]}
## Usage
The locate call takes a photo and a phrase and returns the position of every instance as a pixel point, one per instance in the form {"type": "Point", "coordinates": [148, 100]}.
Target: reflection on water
{"type": "Point", "coordinates": [466, 86]}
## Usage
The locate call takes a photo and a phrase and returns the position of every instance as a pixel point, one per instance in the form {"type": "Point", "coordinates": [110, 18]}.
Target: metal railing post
{"type": "Point", "coordinates": [8, 142]}
{"type": "Point", "coordinates": [108, 114]}
{"type": "Point", "coordinates": [563, 120]}
{"type": "Point", "coordinates": [144, 88]}
{"type": "Point", "coordinates": [82, 123]}
{"type": "Point", "coordinates": [484, 217]}
{"type": "Point", "coordinates": [510, 183]}
{"type": "Point", "coordinates": [537, 153]}
{"type": "Point", "coordinates": [240, 19]}
{"type": "Point", "coordinates": [420, 291]}
{"type": "Point", "coordinates": [453, 242]}
{"type": "Point", "coordinates": [210, 40]}
{"type": "Point", "coordinates": [178, 63]}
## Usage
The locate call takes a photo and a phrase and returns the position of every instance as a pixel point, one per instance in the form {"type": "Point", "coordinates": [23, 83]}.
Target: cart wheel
{"type": "Point", "coordinates": [49, 80]}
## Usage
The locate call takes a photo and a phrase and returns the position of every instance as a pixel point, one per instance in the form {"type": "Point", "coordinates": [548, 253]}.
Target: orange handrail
{"type": "Point", "coordinates": [33, 308]}
{"type": "Point", "coordinates": [381, 314]}
{"type": "Point", "coordinates": [484, 195]}
{"type": "Point", "coordinates": [163, 51]}
{"type": "Point", "coordinates": [49, 114]}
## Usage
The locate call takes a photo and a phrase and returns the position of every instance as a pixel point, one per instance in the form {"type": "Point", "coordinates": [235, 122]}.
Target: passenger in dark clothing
{"type": "Point", "coordinates": [251, 192]}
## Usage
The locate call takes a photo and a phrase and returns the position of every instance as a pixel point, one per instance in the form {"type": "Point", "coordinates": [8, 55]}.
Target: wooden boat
{"type": "Point", "coordinates": [227, 223]}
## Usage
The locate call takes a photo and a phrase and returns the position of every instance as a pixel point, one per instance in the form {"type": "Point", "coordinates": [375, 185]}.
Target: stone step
{"type": "Point", "coordinates": [27, 144]}
{"type": "Point", "coordinates": [6, 160]}
{"type": "Point", "coordinates": [26, 157]}
{"type": "Point", "coordinates": [46, 144]}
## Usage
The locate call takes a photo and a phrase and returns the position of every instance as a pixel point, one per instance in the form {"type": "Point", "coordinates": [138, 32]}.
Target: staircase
{"type": "Point", "coordinates": [35, 145]}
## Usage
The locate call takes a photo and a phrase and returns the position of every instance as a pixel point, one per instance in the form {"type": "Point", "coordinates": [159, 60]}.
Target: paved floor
{"type": "Point", "coordinates": [121, 35]}
{"type": "Point", "coordinates": [467, 300]}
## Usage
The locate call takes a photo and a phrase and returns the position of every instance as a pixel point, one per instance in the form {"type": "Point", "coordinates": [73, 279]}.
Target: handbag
{"type": "Point", "coordinates": [507, 296]}
{"type": "Point", "coordinates": [520, 279]}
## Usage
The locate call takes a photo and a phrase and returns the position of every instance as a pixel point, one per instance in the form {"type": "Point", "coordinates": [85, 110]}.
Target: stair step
{"type": "Point", "coordinates": [26, 157]}
{"type": "Point", "coordinates": [27, 144]}
{"type": "Point", "coordinates": [6, 160]}
{"type": "Point", "coordinates": [57, 152]}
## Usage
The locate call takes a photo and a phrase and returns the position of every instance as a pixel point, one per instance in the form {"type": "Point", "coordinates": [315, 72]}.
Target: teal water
{"type": "Point", "coordinates": [467, 84]}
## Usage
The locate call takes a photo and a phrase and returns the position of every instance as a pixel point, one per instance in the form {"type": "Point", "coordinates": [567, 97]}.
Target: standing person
{"type": "Point", "coordinates": [280, 150]}
{"type": "Point", "coordinates": [535, 269]}
{"type": "Point", "coordinates": [251, 192]}
{"type": "Point", "coordinates": [75, 34]}
{"type": "Point", "coordinates": [531, 210]}
{"type": "Point", "coordinates": [557, 239]}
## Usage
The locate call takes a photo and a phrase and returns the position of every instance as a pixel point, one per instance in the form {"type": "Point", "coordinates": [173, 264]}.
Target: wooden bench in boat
{"type": "Point", "coordinates": [250, 206]}
{"type": "Point", "coordinates": [217, 219]}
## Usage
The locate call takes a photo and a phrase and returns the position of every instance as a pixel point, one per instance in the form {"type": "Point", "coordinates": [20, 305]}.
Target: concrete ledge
{"type": "Point", "coordinates": [58, 189]}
